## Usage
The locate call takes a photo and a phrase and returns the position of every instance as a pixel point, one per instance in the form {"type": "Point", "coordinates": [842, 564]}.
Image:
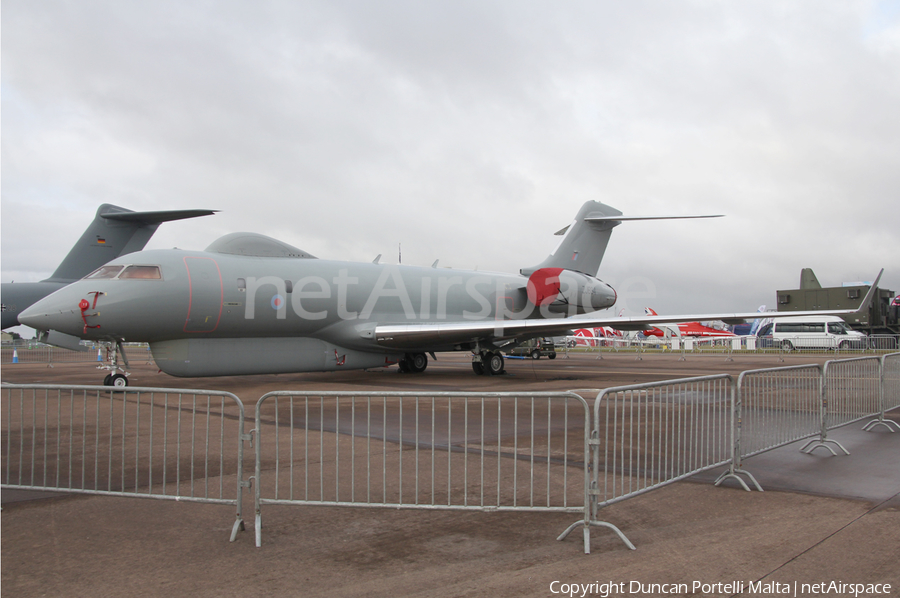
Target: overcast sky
{"type": "Point", "coordinates": [468, 132]}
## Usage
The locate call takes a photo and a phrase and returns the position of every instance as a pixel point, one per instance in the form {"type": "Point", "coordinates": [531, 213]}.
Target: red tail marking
{"type": "Point", "coordinates": [543, 286]}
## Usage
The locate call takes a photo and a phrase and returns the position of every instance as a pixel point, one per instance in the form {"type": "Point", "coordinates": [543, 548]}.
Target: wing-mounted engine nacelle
{"type": "Point", "coordinates": [569, 292]}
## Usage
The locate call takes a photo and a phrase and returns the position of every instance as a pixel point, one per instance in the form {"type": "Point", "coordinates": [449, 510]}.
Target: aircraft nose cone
{"type": "Point", "coordinates": [46, 315]}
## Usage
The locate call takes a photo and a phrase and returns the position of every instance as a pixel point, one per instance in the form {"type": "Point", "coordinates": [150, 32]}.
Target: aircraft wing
{"type": "Point", "coordinates": [410, 336]}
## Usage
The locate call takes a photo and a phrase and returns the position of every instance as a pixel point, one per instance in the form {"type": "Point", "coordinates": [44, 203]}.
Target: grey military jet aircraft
{"type": "Point", "coordinates": [114, 231]}
{"type": "Point", "coordinates": [250, 304]}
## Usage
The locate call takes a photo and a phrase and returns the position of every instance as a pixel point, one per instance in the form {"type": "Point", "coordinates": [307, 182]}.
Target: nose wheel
{"type": "Point", "coordinates": [117, 380]}
{"type": "Point", "coordinates": [117, 376]}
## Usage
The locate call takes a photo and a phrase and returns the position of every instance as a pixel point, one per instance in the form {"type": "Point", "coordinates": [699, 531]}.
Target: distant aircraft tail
{"type": "Point", "coordinates": [808, 279]}
{"type": "Point", "coordinates": [114, 231]}
{"type": "Point", "coordinates": [584, 241]}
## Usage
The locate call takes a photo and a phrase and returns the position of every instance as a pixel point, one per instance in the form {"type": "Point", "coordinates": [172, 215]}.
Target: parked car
{"type": "Point", "coordinates": [535, 348]}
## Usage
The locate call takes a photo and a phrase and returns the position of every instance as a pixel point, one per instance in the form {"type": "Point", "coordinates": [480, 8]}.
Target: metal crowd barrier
{"type": "Point", "coordinates": [38, 353]}
{"type": "Point", "coordinates": [648, 435]}
{"type": "Point", "coordinates": [890, 368]}
{"type": "Point", "coordinates": [875, 343]}
{"type": "Point", "coordinates": [452, 450]}
{"type": "Point", "coordinates": [773, 407]}
{"type": "Point", "coordinates": [884, 342]}
{"type": "Point", "coordinates": [851, 393]}
{"type": "Point", "coordinates": [45, 354]}
{"type": "Point", "coordinates": [888, 393]}
{"type": "Point", "coordinates": [872, 344]}
{"type": "Point", "coordinates": [159, 443]}
{"type": "Point", "coordinates": [777, 406]}
{"type": "Point", "coordinates": [35, 353]}
{"type": "Point", "coordinates": [449, 450]}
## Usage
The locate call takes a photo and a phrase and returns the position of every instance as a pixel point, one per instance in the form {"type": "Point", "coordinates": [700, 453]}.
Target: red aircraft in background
{"type": "Point", "coordinates": [687, 328]}
{"type": "Point", "coordinates": [592, 336]}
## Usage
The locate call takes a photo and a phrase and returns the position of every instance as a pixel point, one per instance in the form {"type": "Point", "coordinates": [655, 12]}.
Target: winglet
{"type": "Point", "coordinates": [867, 300]}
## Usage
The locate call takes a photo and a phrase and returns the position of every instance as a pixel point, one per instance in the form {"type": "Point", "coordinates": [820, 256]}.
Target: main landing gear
{"type": "Point", "coordinates": [488, 363]}
{"type": "Point", "coordinates": [413, 363]}
{"type": "Point", "coordinates": [117, 376]}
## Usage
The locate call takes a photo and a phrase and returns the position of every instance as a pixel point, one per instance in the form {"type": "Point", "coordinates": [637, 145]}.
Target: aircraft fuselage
{"type": "Point", "coordinates": [207, 313]}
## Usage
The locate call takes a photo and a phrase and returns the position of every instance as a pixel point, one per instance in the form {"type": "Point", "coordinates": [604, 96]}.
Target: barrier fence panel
{"type": "Point", "coordinates": [647, 435]}
{"type": "Point", "coordinates": [884, 342]}
{"type": "Point", "coordinates": [147, 442]}
{"type": "Point", "coordinates": [492, 451]}
{"type": "Point", "coordinates": [889, 392]}
{"type": "Point", "coordinates": [852, 392]}
{"type": "Point", "coordinates": [774, 407]}
{"type": "Point", "coordinates": [45, 354]}
{"type": "Point", "coordinates": [890, 373]}
{"type": "Point", "coordinates": [777, 406]}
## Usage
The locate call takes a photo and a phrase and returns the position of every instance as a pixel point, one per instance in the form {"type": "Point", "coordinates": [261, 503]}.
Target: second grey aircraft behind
{"type": "Point", "coordinates": [114, 231]}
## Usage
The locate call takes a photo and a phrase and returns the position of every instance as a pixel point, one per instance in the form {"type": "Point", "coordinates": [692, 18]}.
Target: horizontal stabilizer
{"type": "Point", "coordinates": [627, 218]}
{"type": "Point", "coordinates": [156, 217]}
{"type": "Point", "coordinates": [584, 241]}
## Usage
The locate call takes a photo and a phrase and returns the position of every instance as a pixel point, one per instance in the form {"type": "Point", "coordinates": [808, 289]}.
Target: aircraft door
{"type": "Point", "coordinates": [205, 294]}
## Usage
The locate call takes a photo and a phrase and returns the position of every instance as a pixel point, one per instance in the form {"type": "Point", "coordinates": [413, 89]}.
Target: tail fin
{"type": "Point", "coordinates": [808, 279]}
{"type": "Point", "coordinates": [115, 231]}
{"type": "Point", "coordinates": [585, 240]}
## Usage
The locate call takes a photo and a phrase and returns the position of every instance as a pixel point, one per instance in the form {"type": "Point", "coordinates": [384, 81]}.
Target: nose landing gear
{"type": "Point", "coordinates": [117, 380]}
{"type": "Point", "coordinates": [117, 376]}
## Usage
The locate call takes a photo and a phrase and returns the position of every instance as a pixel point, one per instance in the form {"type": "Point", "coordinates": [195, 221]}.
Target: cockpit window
{"type": "Point", "coordinates": [120, 272]}
{"type": "Point", "coordinates": [143, 272]}
{"type": "Point", "coordinates": [104, 272]}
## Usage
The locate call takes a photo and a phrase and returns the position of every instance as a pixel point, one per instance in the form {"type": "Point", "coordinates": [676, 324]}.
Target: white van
{"type": "Point", "coordinates": [813, 332]}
